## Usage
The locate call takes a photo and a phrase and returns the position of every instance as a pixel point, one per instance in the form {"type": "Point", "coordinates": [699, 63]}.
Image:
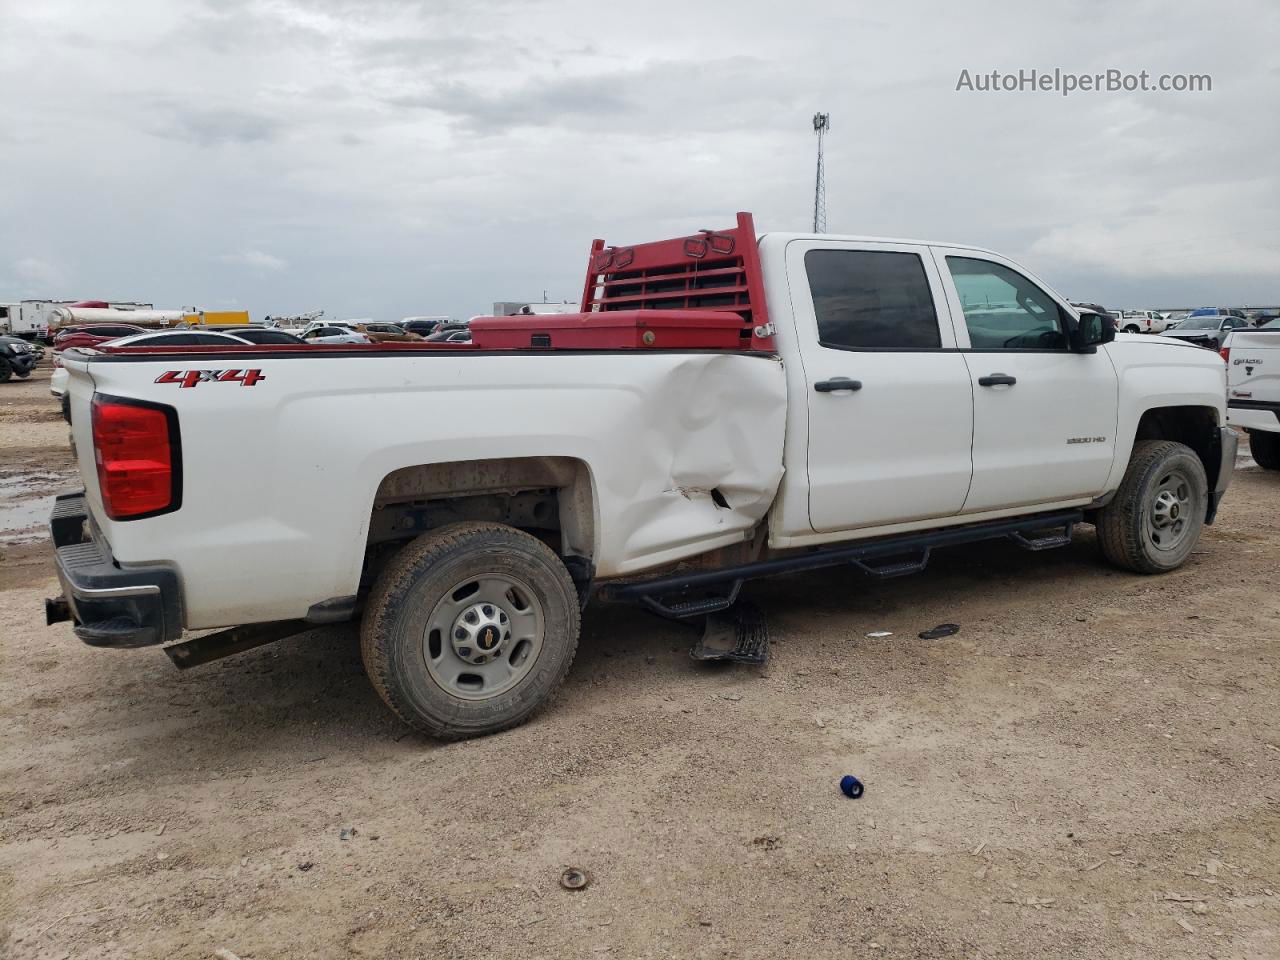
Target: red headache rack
{"type": "Point", "coordinates": [698, 292]}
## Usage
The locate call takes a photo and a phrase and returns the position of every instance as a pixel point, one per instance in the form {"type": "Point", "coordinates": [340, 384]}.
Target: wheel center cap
{"type": "Point", "coordinates": [480, 632]}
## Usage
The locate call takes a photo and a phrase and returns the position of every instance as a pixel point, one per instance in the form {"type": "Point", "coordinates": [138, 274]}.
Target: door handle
{"type": "Point", "coordinates": [837, 383]}
{"type": "Point", "coordinates": [997, 380]}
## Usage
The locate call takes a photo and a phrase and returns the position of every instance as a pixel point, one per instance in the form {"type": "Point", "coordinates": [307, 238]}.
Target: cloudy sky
{"type": "Point", "coordinates": [387, 157]}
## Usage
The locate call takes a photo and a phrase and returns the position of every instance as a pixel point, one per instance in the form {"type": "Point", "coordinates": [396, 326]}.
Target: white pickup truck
{"type": "Point", "coordinates": [725, 406]}
{"type": "Point", "coordinates": [1253, 389]}
{"type": "Point", "coordinates": [1141, 321]}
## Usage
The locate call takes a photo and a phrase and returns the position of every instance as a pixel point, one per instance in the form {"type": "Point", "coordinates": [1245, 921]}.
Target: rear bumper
{"type": "Point", "coordinates": [1254, 414]}
{"type": "Point", "coordinates": [1227, 444]}
{"type": "Point", "coordinates": [112, 604]}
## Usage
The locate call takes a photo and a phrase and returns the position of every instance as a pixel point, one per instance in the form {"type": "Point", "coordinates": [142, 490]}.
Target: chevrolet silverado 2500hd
{"type": "Point", "coordinates": [1253, 389]}
{"type": "Point", "coordinates": [725, 406]}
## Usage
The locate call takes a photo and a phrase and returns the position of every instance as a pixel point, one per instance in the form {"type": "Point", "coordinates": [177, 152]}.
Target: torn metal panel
{"type": "Point", "coordinates": [713, 459]}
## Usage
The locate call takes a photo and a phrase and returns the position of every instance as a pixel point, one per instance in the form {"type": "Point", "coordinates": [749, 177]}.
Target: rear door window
{"type": "Point", "coordinates": [872, 299]}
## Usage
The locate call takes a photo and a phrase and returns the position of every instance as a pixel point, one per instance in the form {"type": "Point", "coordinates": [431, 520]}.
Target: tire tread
{"type": "Point", "coordinates": [1265, 448]}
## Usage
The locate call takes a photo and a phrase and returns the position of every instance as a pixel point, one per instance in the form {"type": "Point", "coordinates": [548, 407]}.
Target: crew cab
{"type": "Point", "coordinates": [725, 406]}
{"type": "Point", "coordinates": [1253, 389]}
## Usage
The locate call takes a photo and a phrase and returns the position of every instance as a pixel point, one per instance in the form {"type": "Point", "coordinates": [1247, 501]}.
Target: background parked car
{"type": "Point", "coordinates": [422, 327]}
{"type": "Point", "coordinates": [1264, 315]}
{"type": "Point", "coordinates": [319, 324]}
{"type": "Point", "coordinates": [1141, 321]}
{"type": "Point", "coordinates": [1218, 312]}
{"type": "Point", "coordinates": [386, 332]}
{"type": "Point", "coordinates": [1206, 329]}
{"type": "Point", "coordinates": [443, 331]}
{"type": "Point", "coordinates": [16, 358]}
{"type": "Point", "coordinates": [177, 338]}
{"type": "Point", "coordinates": [256, 334]}
{"type": "Point", "coordinates": [90, 335]}
{"type": "Point", "coordinates": [333, 334]}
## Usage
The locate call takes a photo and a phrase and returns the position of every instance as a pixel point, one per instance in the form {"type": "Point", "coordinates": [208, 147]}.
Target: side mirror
{"type": "Point", "coordinates": [1091, 330]}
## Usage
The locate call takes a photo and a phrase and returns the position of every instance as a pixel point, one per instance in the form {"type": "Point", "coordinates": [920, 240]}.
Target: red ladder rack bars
{"type": "Point", "coordinates": [713, 271]}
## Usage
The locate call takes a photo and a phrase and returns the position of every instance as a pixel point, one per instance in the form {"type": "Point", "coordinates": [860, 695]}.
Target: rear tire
{"type": "Point", "coordinates": [1157, 515]}
{"type": "Point", "coordinates": [1265, 448]}
{"type": "Point", "coordinates": [470, 629]}
{"type": "Point", "coordinates": [1133, 328]}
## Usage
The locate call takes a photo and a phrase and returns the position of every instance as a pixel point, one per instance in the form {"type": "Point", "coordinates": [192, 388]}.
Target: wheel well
{"type": "Point", "coordinates": [1197, 427]}
{"type": "Point", "coordinates": [549, 497]}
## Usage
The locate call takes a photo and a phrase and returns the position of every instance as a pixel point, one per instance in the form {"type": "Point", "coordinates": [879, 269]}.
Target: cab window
{"type": "Point", "coordinates": [1003, 310]}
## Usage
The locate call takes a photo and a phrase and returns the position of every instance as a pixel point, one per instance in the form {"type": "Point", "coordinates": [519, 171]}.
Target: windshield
{"type": "Point", "coordinates": [1201, 323]}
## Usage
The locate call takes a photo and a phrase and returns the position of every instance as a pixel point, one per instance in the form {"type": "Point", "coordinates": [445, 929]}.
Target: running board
{"type": "Point", "coordinates": [683, 609]}
{"type": "Point", "coordinates": [1044, 543]}
{"type": "Point", "coordinates": [1021, 530]}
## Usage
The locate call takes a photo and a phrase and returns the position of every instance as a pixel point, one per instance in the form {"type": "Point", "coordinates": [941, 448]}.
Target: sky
{"type": "Point", "coordinates": [388, 158]}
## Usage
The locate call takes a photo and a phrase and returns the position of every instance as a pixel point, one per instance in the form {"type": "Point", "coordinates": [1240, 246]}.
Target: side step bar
{"type": "Point", "coordinates": [890, 550]}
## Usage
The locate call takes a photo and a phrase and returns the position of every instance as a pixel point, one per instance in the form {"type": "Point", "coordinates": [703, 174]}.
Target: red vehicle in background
{"type": "Point", "coordinates": [90, 335]}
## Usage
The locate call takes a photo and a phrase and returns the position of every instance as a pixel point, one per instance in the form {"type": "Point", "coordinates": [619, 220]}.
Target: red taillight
{"type": "Point", "coordinates": [1225, 353]}
{"type": "Point", "coordinates": [134, 445]}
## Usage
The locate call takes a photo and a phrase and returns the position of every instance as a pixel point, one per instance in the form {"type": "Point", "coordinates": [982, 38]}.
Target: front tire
{"type": "Point", "coordinates": [6, 370]}
{"type": "Point", "coordinates": [470, 629]}
{"type": "Point", "coordinates": [1157, 515]}
{"type": "Point", "coordinates": [1265, 448]}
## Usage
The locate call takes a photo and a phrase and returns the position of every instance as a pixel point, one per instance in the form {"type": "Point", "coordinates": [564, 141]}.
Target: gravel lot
{"type": "Point", "coordinates": [1090, 768]}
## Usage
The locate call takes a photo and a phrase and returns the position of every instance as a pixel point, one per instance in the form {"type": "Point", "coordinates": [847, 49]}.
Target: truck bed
{"type": "Point", "coordinates": [289, 449]}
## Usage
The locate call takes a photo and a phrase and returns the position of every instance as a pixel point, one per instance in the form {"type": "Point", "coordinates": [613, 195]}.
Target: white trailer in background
{"type": "Point", "coordinates": [511, 308]}
{"type": "Point", "coordinates": [29, 319]}
{"type": "Point", "coordinates": [36, 319]}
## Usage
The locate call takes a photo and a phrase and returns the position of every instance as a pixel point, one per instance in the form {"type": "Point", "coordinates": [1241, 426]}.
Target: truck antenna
{"type": "Point", "coordinates": [821, 124]}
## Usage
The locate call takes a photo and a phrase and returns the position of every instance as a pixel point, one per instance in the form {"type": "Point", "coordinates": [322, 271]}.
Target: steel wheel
{"type": "Point", "coordinates": [1172, 511]}
{"type": "Point", "coordinates": [484, 636]}
{"type": "Point", "coordinates": [1154, 520]}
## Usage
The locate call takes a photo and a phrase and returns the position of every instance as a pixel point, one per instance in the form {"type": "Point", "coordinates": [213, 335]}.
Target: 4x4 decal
{"type": "Point", "coordinates": [189, 378]}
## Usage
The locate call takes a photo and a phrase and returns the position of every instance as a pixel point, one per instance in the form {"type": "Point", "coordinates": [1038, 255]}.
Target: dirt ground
{"type": "Point", "coordinates": [1090, 768]}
